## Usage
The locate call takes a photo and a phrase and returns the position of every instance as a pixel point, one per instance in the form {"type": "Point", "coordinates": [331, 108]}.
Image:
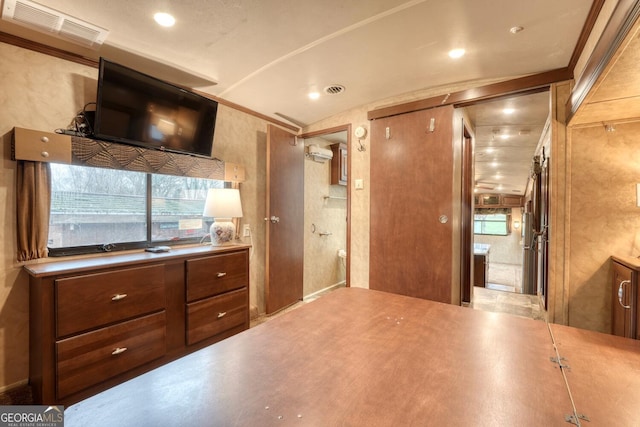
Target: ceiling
{"type": "Point", "coordinates": [507, 133]}
{"type": "Point", "coordinates": [268, 56]}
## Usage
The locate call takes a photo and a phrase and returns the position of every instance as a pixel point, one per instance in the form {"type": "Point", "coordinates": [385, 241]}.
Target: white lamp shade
{"type": "Point", "coordinates": [223, 203]}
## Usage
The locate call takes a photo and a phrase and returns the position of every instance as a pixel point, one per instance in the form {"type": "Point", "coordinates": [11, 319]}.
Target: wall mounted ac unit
{"type": "Point", "coordinates": [50, 21]}
{"type": "Point", "coordinates": [318, 153]}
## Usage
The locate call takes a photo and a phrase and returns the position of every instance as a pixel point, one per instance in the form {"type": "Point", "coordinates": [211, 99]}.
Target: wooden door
{"type": "Point", "coordinates": [411, 204]}
{"type": "Point", "coordinates": [466, 219]}
{"type": "Point", "coordinates": [285, 220]}
{"type": "Point", "coordinates": [543, 243]}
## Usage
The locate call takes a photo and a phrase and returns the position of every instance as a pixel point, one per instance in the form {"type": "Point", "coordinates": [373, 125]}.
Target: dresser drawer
{"type": "Point", "coordinates": [212, 316]}
{"type": "Point", "coordinates": [93, 300]}
{"type": "Point", "coordinates": [91, 358]}
{"type": "Point", "coordinates": [216, 274]}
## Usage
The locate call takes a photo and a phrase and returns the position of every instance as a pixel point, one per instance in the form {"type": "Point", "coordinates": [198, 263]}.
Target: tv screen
{"type": "Point", "coordinates": [134, 108]}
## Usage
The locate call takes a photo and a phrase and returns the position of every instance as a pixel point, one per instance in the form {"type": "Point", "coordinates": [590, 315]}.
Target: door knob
{"type": "Point", "coordinates": [274, 219]}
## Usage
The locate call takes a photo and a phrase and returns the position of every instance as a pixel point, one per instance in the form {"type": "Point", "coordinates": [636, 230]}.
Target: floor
{"type": "Point", "coordinates": [263, 318]}
{"type": "Point", "coordinates": [499, 301]}
{"type": "Point", "coordinates": [505, 277]}
{"type": "Point", "coordinates": [495, 298]}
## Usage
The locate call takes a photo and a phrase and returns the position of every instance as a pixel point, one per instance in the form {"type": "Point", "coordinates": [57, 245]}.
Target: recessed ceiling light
{"type": "Point", "coordinates": [164, 19]}
{"type": "Point", "coordinates": [456, 53]}
{"type": "Point", "coordinates": [314, 95]}
{"type": "Point", "coordinates": [508, 110]}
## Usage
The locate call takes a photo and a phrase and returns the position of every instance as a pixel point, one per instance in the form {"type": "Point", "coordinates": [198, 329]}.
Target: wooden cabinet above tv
{"type": "Point", "coordinates": [498, 201]}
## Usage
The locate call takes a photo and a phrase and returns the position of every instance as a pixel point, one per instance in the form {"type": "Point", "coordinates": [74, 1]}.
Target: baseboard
{"type": "Point", "coordinates": [328, 288]}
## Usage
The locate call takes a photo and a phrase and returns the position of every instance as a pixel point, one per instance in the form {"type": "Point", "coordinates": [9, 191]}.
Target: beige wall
{"type": "Point", "coordinates": [505, 249]}
{"type": "Point", "coordinates": [604, 218]}
{"type": "Point", "coordinates": [44, 93]}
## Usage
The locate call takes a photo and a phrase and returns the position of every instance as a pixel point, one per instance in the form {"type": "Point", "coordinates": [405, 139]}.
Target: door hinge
{"type": "Point", "coordinates": [559, 361]}
{"type": "Point", "coordinates": [575, 419]}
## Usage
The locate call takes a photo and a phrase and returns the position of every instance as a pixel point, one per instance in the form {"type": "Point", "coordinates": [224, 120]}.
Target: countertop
{"type": "Point", "coordinates": [481, 248]}
{"type": "Point", "coordinates": [628, 261]}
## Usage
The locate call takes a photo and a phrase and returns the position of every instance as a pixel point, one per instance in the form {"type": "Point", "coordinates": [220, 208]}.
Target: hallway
{"type": "Point", "coordinates": [486, 299]}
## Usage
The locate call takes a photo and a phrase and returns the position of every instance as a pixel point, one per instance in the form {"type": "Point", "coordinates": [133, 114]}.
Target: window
{"type": "Point", "coordinates": [492, 221]}
{"type": "Point", "coordinates": [95, 209]}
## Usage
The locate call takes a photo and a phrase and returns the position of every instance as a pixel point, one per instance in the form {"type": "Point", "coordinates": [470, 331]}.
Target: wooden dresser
{"type": "Point", "coordinates": [624, 297]}
{"type": "Point", "coordinates": [97, 322]}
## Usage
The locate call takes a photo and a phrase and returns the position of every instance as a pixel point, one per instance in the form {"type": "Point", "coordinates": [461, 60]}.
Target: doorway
{"type": "Point", "coordinates": [326, 211]}
{"type": "Point", "coordinates": [508, 133]}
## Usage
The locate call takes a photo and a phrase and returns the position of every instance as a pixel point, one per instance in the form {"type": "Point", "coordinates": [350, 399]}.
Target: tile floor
{"type": "Point", "coordinates": [505, 277]}
{"type": "Point", "coordinates": [497, 301]}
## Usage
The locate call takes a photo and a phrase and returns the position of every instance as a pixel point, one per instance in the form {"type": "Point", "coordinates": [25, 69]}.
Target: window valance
{"type": "Point", "coordinates": [51, 147]}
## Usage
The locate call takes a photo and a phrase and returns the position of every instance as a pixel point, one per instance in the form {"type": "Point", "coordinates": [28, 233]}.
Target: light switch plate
{"type": "Point", "coordinates": [359, 184]}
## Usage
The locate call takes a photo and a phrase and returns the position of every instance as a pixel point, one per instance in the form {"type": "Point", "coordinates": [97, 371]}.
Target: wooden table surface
{"type": "Point", "coordinates": [603, 375]}
{"type": "Point", "coordinates": [359, 357]}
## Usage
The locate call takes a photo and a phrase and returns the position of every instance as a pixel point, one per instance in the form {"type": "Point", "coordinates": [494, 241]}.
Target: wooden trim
{"type": "Point", "coordinates": [341, 128]}
{"type": "Point", "coordinates": [47, 50]}
{"type": "Point", "coordinates": [508, 87]}
{"type": "Point", "coordinates": [79, 59]}
{"type": "Point", "coordinates": [620, 23]}
{"type": "Point", "coordinates": [247, 111]}
{"type": "Point", "coordinates": [535, 90]}
{"type": "Point", "coordinates": [596, 7]}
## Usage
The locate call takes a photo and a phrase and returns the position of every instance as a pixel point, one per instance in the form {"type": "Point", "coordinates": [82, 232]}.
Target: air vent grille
{"type": "Point", "coordinates": [44, 19]}
{"type": "Point", "coordinates": [30, 15]}
{"type": "Point", "coordinates": [78, 32]}
{"type": "Point", "coordinates": [334, 89]}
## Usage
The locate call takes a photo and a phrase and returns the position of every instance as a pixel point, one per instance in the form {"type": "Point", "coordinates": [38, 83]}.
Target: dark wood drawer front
{"type": "Point", "coordinates": [216, 274]}
{"type": "Point", "coordinates": [93, 300]}
{"type": "Point", "coordinates": [213, 316]}
{"type": "Point", "coordinates": [91, 358]}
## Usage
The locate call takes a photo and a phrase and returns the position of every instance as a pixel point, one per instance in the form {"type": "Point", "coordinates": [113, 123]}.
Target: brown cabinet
{"type": "Point", "coordinates": [624, 301]}
{"type": "Point", "coordinates": [480, 270]}
{"type": "Point", "coordinates": [99, 321]}
{"type": "Point", "coordinates": [88, 359]}
{"type": "Point", "coordinates": [339, 164]}
{"type": "Point", "coordinates": [216, 295]}
{"type": "Point", "coordinates": [498, 201]}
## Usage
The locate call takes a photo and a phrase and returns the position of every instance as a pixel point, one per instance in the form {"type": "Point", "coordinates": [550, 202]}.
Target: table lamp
{"type": "Point", "coordinates": [222, 204]}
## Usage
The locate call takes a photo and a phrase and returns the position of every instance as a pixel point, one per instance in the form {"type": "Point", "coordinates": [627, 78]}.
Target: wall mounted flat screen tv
{"type": "Point", "coordinates": [137, 109]}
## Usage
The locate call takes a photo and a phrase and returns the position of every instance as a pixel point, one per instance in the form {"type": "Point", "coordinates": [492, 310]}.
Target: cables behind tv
{"type": "Point", "coordinates": [82, 123]}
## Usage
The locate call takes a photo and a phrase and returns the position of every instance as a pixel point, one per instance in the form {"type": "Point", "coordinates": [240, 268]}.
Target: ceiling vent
{"type": "Point", "coordinates": [334, 89]}
{"type": "Point", "coordinates": [50, 21]}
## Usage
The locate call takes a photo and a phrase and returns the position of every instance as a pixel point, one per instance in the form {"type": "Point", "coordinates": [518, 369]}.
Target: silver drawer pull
{"type": "Point", "coordinates": [222, 274]}
{"type": "Point", "coordinates": [224, 313]}
{"type": "Point", "coordinates": [621, 293]}
{"type": "Point", "coordinates": [118, 297]}
{"type": "Point", "coordinates": [118, 351]}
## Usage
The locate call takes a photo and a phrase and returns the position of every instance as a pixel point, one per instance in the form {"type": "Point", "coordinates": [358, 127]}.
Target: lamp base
{"type": "Point", "coordinates": [222, 232]}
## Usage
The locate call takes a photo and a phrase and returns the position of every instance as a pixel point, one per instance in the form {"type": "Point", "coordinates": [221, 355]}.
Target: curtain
{"type": "Point", "coordinates": [33, 201]}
